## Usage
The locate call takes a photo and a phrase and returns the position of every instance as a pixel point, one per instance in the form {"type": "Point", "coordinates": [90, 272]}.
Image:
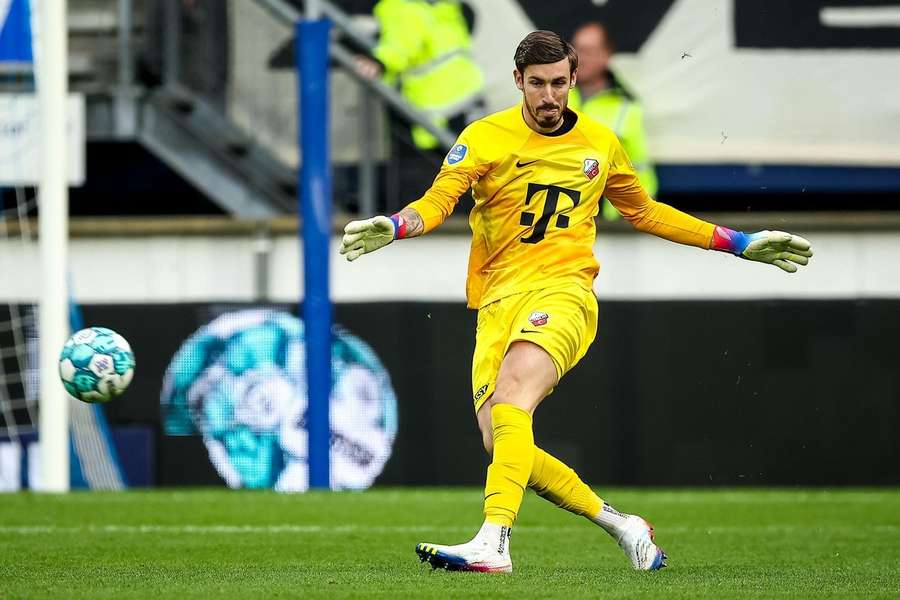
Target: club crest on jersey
{"type": "Point", "coordinates": [538, 318]}
{"type": "Point", "coordinates": [591, 168]}
{"type": "Point", "coordinates": [456, 154]}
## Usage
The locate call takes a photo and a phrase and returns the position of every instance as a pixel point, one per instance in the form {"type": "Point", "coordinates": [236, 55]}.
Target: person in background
{"type": "Point", "coordinates": [599, 95]}
{"type": "Point", "coordinates": [424, 45]}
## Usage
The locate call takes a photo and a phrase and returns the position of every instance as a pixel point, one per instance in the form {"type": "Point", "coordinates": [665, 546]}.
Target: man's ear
{"type": "Point", "coordinates": [520, 81]}
{"type": "Point", "coordinates": [574, 78]}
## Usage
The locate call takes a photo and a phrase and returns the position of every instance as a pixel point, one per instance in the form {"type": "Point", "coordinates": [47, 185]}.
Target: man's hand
{"type": "Point", "coordinates": [368, 68]}
{"type": "Point", "coordinates": [362, 237]}
{"type": "Point", "coordinates": [778, 248]}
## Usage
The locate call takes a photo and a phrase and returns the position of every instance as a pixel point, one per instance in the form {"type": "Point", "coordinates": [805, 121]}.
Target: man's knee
{"type": "Point", "coordinates": [514, 389]}
{"type": "Point", "coordinates": [509, 388]}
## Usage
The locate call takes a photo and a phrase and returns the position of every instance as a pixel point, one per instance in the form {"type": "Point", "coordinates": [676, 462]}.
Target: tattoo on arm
{"type": "Point", "coordinates": [415, 226]}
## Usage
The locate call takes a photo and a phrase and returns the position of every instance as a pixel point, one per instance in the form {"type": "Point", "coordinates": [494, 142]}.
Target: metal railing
{"type": "Point", "coordinates": [373, 97]}
{"type": "Point", "coordinates": [175, 78]}
{"type": "Point", "coordinates": [367, 184]}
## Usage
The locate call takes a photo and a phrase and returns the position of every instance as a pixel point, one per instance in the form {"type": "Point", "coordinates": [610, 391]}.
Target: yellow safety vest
{"type": "Point", "coordinates": [426, 47]}
{"type": "Point", "coordinates": [615, 109]}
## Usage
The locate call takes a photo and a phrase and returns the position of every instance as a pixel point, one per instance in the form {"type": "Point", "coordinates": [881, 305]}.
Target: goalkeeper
{"type": "Point", "coordinates": [537, 172]}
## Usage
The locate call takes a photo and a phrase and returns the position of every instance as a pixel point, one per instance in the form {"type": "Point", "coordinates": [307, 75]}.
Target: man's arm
{"type": "Point", "coordinates": [460, 169]}
{"type": "Point", "coordinates": [362, 237]}
{"type": "Point", "coordinates": [624, 191]}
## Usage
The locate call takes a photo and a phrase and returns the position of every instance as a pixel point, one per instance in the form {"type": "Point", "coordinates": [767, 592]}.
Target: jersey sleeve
{"type": "Point", "coordinates": [625, 193]}
{"type": "Point", "coordinates": [462, 166]}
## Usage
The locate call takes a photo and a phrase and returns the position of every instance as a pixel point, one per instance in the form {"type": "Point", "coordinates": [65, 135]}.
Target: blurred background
{"type": "Point", "coordinates": [183, 130]}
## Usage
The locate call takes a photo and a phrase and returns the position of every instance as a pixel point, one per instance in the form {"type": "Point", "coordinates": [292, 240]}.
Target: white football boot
{"type": "Point", "coordinates": [487, 552]}
{"type": "Point", "coordinates": [637, 543]}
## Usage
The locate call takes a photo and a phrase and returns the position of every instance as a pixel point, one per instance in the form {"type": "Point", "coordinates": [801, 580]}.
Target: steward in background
{"type": "Point", "coordinates": [424, 46]}
{"type": "Point", "coordinates": [599, 95]}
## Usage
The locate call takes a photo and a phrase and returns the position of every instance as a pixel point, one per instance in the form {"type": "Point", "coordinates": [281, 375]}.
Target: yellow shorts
{"type": "Point", "coordinates": [562, 320]}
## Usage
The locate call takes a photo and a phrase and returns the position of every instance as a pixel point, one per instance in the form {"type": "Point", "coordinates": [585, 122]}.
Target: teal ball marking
{"type": "Point", "coordinates": [81, 355]}
{"type": "Point", "coordinates": [104, 344]}
{"type": "Point", "coordinates": [123, 361]}
{"type": "Point", "coordinates": [84, 381]}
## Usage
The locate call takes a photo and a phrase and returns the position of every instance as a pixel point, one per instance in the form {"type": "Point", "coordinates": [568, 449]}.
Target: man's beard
{"type": "Point", "coordinates": [547, 122]}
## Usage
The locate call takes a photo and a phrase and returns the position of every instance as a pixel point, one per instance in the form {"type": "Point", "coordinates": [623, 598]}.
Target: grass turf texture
{"type": "Point", "coordinates": [223, 544]}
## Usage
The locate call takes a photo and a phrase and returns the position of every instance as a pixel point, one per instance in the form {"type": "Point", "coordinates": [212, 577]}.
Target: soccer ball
{"type": "Point", "coordinates": [96, 364]}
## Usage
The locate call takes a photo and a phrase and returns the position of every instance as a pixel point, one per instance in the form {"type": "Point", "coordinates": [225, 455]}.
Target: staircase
{"type": "Point", "coordinates": [191, 135]}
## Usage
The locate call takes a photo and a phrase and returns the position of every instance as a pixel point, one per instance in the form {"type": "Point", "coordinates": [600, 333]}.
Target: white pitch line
{"type": "Point", "coordinates": [337, 529]}
{"type": "Point", "coordinates": [222, 529]}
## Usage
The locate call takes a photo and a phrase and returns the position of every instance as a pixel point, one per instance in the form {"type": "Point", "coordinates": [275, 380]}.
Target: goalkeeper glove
{"type": "Point", "coordinates": [778, 248]}
{"type": "Point", "coordinates": [362, 237]}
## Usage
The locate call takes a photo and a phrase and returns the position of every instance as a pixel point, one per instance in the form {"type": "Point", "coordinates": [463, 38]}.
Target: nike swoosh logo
{"type": "Point", "coordinates": [523, 330]}
{"type": "Point", "coordinates": [525, 164]}
{"type": "Point", "coordinates": [491, 494]}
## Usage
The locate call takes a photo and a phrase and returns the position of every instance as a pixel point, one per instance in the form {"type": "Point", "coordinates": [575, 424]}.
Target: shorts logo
{"type": "Point", "coordinates": [456, 154]}
{"type": "Point", "coordinates": [591, 168]}
{"type": "Point", "coordinates": [538, 318]}
{"type": "Point", "coordinates": [481, 391]}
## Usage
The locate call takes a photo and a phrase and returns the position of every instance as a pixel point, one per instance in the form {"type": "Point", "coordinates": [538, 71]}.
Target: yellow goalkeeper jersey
{"type": "Point", "coordinates": [536, 196]}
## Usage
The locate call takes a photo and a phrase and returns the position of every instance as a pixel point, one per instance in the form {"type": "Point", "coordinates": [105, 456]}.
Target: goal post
{"type": "Point", "coordinates": [51, 78]}
{"type": "Point", "coordinates": [312, 35]}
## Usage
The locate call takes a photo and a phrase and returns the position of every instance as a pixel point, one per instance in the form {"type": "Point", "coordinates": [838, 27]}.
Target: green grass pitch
{"type": "Point", "coordinates": [223, 544]}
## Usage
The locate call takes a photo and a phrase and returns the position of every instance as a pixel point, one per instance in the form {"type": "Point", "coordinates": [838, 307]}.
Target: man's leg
{"type": "Point", "coordinates": [558, 483]}
{"type": "Point", "coordinates": [526, 376]}
{"type": "Point", "coordinates": [553, 480]}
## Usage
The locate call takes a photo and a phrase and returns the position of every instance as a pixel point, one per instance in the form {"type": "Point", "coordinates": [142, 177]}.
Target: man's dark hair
{"type": "Point", "coordinates": [544, 47]}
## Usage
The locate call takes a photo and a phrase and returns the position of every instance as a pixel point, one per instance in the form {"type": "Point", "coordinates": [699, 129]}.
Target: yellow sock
{"type": "Point", "coordinates": [508, 473]}
{"type": "Point", "coordinates": [559, 484]}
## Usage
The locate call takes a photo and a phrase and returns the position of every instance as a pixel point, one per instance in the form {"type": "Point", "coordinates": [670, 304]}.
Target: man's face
{"type": "Point", "coordinates": [593, 52]}
{"type": "Point", "coordinates": [545, 90]}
